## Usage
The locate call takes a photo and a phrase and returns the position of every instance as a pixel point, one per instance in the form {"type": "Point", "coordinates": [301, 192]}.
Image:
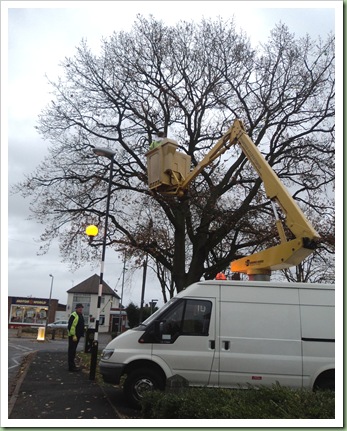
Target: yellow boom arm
{"type": "Point", "coordinates": [287, 253]}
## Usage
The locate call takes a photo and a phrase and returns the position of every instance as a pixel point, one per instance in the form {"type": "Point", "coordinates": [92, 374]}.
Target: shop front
{"type": "Point", "coordinates": [28, 312]}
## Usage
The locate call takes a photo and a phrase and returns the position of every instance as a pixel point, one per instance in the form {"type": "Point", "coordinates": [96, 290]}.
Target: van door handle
{"type": "Point", "coordinates": [226, 345]}
{"type": "Point", "coordinates": [212, 344]}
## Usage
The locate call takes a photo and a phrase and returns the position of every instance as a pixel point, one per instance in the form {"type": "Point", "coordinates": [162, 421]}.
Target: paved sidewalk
{"type": "Point", "coordinates": [50, 391]}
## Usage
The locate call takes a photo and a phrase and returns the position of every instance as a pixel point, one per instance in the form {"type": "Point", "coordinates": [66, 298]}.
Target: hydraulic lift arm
{"type": "Point", "coordinates": [287, 253]}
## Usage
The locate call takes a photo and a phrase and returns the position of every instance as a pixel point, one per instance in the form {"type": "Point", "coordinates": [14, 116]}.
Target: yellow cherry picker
{"type": "Point", "coordinates": [169, 174]}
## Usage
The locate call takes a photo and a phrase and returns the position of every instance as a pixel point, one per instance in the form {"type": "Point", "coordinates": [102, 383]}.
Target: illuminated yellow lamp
{"type": "Point", "coordinates": [41, 334]}
{"type": "Point", "coordinates": [91, 231]}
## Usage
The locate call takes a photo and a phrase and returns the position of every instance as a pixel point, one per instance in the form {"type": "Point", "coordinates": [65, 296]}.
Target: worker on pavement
{"type": "Point", "coordinates": [75, 332]}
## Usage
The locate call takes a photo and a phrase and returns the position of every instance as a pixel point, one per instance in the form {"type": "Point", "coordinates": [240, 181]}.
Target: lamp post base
{"type": "Point", "coordinates": [93, 359]}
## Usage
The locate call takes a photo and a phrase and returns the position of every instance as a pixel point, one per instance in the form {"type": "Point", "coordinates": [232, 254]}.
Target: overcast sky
{"type": "Point", "coordinates": [40, 36]}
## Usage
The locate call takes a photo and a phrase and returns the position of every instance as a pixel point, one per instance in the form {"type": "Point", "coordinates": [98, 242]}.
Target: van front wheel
{"type": "Point", "coordinates": [140, 381]}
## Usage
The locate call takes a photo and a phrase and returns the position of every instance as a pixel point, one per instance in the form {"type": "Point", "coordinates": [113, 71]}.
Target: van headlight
{"type": "Point", "coordinates": [106, 354]}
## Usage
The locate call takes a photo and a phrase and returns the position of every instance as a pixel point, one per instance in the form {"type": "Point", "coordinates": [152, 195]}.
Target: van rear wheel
{"type": "Point", "coordinates": [140, 381]}
{"type": "Point", "coordinates": [326, 381]}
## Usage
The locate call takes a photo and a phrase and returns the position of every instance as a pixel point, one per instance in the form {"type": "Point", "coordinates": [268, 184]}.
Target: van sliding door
{"type": "Point", "coordinates": [260, 337]}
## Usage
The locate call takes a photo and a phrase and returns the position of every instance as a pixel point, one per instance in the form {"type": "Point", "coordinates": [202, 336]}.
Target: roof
{"type": "Point", "coordinates": [91, 285]}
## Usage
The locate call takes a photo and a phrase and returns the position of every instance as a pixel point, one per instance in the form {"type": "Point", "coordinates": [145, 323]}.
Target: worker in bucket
{"type": "Point", "coordinates": [157, 141]}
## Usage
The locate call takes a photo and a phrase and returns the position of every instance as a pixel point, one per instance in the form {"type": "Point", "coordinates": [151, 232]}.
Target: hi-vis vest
{"type": "Point", "coordinates": [72, 330]}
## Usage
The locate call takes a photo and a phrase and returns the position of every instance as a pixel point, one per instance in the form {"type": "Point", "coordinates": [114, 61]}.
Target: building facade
{"type": "Point", "coordinates": [86, 293]}
{"type": "Point", "coordinates": [34, 312]}
{"type": "Point", "coordinates": [118, 320]}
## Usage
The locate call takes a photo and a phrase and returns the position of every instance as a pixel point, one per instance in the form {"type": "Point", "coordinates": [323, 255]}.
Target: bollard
{"type": "Point", "coordinates": [176, 383]}
{"type": "Point", "coordinates": [41, 334]}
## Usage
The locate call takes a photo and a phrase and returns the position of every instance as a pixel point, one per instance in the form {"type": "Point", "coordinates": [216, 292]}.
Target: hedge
{"type": "Point", "coordinates": [274, 402]}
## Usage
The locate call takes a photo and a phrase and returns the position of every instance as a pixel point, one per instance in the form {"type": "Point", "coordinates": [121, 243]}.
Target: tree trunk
{"type": "Point", "coordinates": [179, 260]}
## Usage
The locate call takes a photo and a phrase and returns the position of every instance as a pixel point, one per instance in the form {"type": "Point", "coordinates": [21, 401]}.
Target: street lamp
{"type": "Point", "coordinates": [91, 231]}
{"type": "Point", "coordinates": [49, 303]}
{"type": "Point", "coordinates": [101, 152]}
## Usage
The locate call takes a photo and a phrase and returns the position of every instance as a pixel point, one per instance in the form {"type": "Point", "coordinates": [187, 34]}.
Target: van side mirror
{"type": "Point", "coordinates": [161, 333]}
{"type": "Point", "coordinates": [159, 328]}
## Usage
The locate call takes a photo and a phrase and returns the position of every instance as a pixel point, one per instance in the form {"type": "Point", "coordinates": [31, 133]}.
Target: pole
{"type": "Point", "coordinates": [121, 302]}
{"type": "Point", "coordinates": [143, 286]}
{"type": "Point", "coordinates": [49, 303]}
{"type": "Point", "coordinates": [153, 303]}
{"type": "Point", "coordinates": [95, 344]}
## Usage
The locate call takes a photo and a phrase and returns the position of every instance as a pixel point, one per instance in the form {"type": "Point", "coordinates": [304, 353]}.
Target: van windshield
{"type": "Point", "coordinates": [155, 315]}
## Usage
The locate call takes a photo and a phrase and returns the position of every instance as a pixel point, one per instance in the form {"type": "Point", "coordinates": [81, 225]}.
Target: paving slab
{"type": "Point", "coordinates": [49, 391]}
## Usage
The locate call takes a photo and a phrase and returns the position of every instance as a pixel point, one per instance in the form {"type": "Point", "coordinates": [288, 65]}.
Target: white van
{"type": "Point", "coordinates": [230, 334]}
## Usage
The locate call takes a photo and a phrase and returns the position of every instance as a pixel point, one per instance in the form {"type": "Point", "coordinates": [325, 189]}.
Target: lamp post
{"type": "Point", "coordinates": [144, 275]}
{"type": "Point", "coordinates": [145, 263]}
{"type": "Point", "coordinates": [49, 303]}
{"type": "Point", "coordinates": [121, 301]}
{"type": "Point", "coordinates": [102, 152]}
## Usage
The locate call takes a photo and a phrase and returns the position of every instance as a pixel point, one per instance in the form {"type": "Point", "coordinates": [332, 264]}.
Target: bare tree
{"type": "Point", "coordinates": [190, 81]}
{"type": "Point", "coordinates": [320, 267]}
